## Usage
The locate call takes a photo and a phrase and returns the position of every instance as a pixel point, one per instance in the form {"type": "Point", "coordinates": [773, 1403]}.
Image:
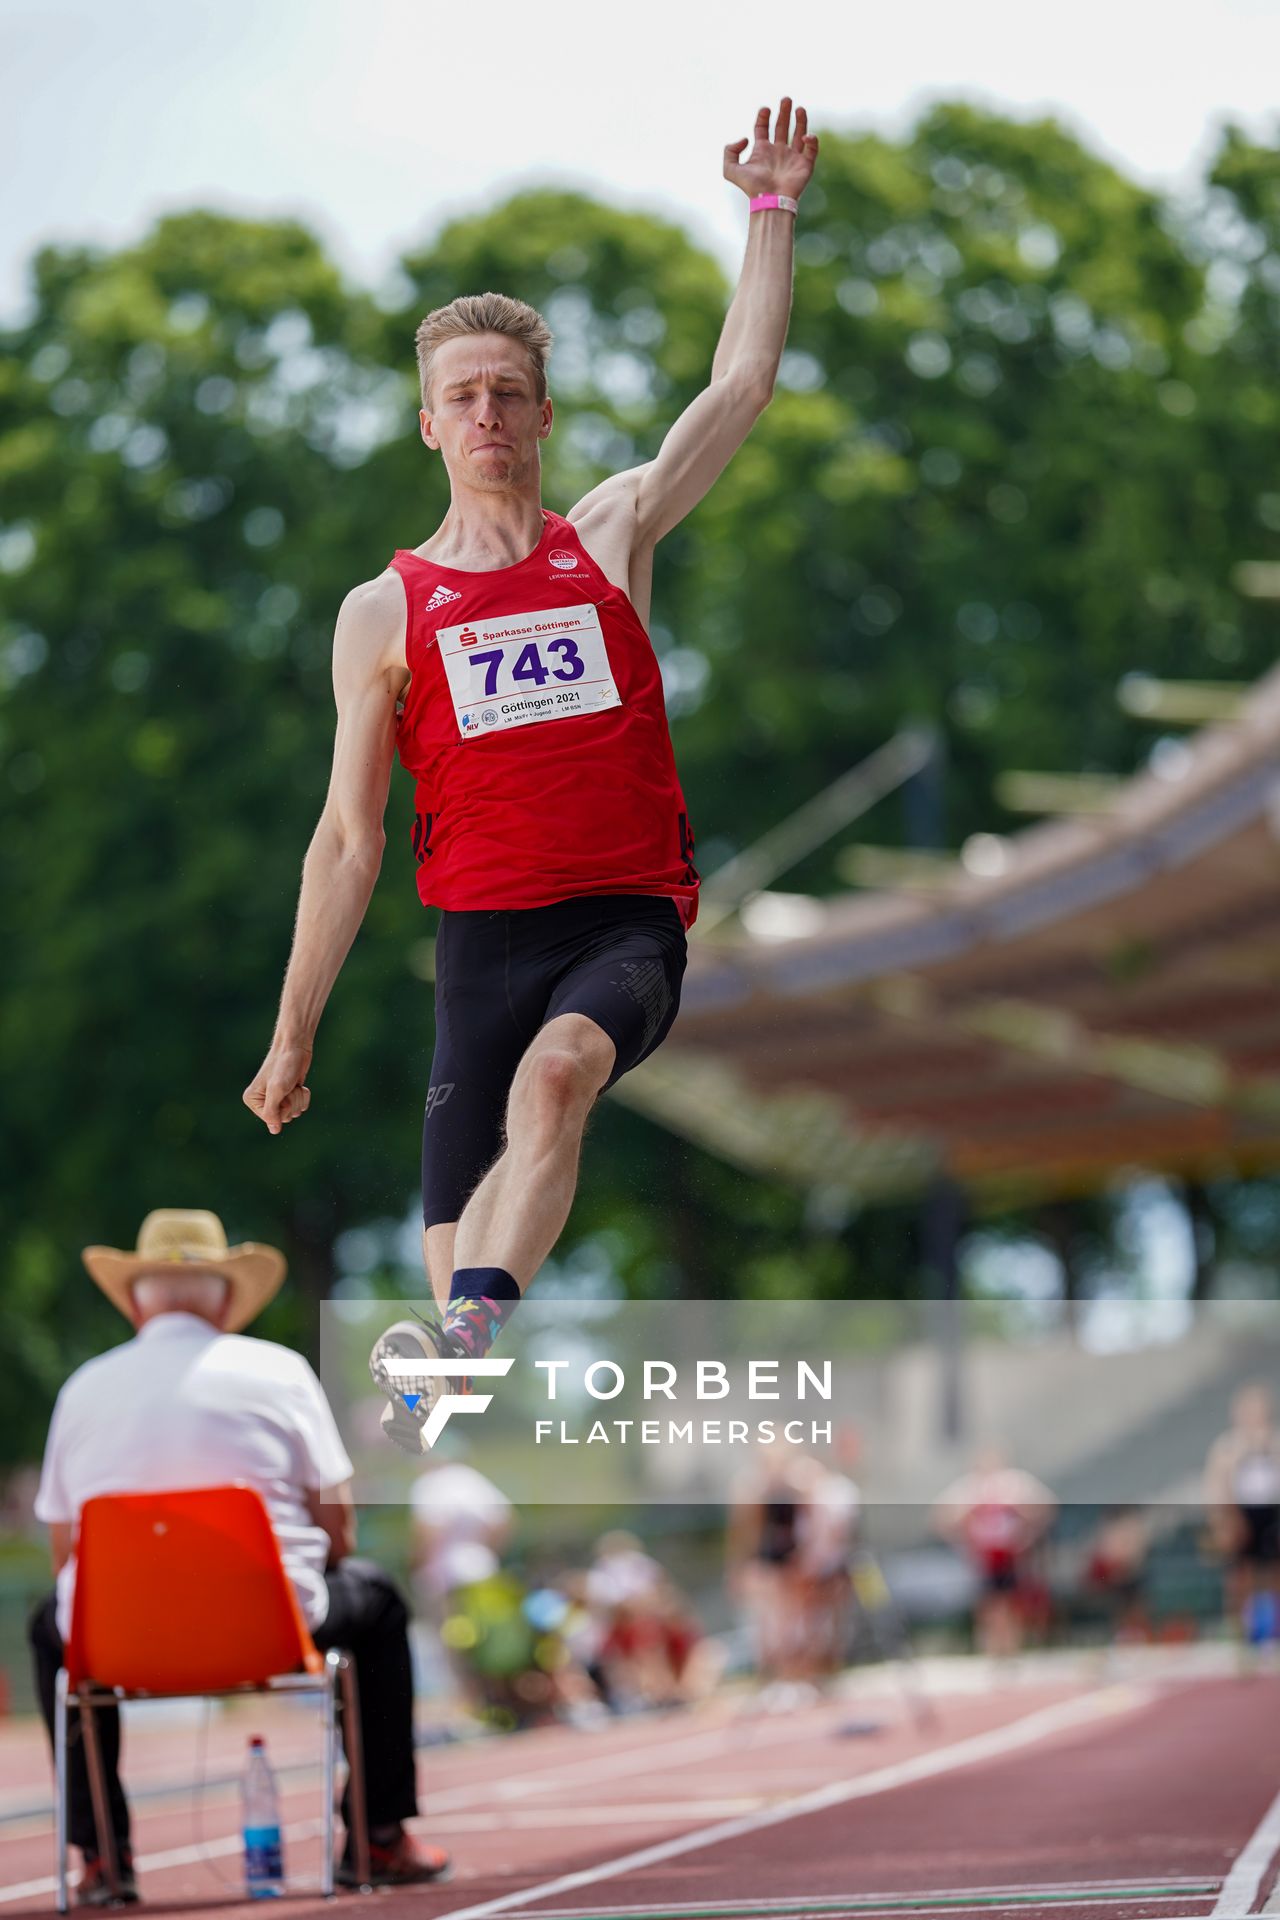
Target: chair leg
{"type": "Point", "coordinates": [98, 1792]}
{"type": "Point", "coordinates": [354, 1741]}
{"type": "Point", "coordinates": [60, 1784]}
{"type": "Point", "coordinates": [330, 1769]}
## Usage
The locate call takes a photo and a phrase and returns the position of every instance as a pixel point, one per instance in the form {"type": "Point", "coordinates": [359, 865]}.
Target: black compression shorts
{"type": "Point", "coordinates": [1260, 1542]}
{"type": "Point", "coordinates": [617, 958]}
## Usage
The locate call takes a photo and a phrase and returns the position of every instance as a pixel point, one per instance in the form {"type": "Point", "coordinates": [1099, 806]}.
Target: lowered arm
{"type": "Point", "coordinates": [343, 859]}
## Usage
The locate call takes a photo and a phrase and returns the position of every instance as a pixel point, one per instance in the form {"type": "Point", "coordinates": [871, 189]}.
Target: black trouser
{"type": "Point", "coordinates": [367, 1618]}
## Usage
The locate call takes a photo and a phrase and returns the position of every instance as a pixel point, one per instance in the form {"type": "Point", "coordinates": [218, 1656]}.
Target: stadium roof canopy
{"type": "Point", "coordinates": [1103, 994]}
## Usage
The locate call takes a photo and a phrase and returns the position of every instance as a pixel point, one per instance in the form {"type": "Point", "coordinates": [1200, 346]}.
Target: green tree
{"type": "Point", "coordinates": [177, 426]}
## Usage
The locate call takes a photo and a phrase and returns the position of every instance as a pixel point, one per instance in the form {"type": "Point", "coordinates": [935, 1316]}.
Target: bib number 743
{"type": "Point", "coordinates": [529, 668]}
{"type": "Point", "coordinates": [523, 668]}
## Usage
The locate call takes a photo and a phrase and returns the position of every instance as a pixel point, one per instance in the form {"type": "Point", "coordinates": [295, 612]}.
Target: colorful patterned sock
{"type": "Point", "coordinates": [481, 1301]}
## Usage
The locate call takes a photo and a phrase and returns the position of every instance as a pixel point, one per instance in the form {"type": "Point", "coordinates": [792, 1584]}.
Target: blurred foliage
{"type": "Point", "coordinates": [1025, 429]}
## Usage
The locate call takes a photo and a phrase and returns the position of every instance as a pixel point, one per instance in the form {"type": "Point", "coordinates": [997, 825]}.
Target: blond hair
{"type": "Point", "coordinates": [484, 313]}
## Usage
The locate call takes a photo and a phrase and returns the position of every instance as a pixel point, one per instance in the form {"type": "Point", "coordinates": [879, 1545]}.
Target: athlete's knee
{"type": "Point", "coordinates": [559, 1079]}
{"type": "Point", "coordinates": [554, 1085]}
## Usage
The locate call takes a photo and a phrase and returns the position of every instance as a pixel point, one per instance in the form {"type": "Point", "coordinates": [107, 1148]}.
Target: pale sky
{"type": "Point", "coordinates": [375, 119]}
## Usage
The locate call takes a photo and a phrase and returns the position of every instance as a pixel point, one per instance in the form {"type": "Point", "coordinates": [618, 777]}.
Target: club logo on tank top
{"type": "Point", "coordinates": [567, 562]}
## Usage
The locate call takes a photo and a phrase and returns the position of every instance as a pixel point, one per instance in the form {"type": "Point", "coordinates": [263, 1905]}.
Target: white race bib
{"type": "Point", "coordinates": [526, 667]}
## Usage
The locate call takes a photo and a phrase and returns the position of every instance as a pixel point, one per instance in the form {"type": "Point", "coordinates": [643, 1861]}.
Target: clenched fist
{"type": "Point", "coordinates": [277, 1093]}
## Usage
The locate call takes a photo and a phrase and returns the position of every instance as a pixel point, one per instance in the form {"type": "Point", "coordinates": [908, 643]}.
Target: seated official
{"type": "Point", "coordinates": [191, 1402]}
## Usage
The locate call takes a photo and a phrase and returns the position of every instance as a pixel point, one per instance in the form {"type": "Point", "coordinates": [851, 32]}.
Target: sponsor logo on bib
{"type": "Point", "coordinates": [467, 638]}
{"type": "Point", "coordinates": [567, 562]}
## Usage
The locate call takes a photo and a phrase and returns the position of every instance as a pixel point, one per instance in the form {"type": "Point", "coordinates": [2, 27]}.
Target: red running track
{"type": "Point", "coordinates": [1154, 1796]}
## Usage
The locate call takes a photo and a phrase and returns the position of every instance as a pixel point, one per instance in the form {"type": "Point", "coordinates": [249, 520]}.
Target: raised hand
{"type": "Point", "coordinates": [781, 164]}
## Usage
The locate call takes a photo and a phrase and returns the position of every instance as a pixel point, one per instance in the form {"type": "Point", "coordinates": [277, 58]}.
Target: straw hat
{"type": "Point", "coordinates": [180, 1240]}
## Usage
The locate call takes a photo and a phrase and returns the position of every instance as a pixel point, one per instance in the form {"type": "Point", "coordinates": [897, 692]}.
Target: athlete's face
{"type": "Point", "coordinates": [485, 417]}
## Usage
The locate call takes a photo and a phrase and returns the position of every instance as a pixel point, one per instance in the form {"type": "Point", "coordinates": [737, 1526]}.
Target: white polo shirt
{"type": "Point", "coordinates": [182, 1405]}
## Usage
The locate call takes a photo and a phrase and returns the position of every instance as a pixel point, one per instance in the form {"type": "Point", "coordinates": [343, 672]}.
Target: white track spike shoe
{"type": "Point", "coordinates": [397, 1364]}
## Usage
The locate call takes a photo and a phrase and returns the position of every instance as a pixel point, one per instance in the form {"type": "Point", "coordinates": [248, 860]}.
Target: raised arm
{"type": "Point", "coordinates": [710, 430]}
{"type": "Point", "coordinates": [345, 854]}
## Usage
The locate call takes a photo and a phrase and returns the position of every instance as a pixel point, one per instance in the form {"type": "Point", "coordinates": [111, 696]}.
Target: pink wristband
{"type": "Point", "coordinates": [763, 201]}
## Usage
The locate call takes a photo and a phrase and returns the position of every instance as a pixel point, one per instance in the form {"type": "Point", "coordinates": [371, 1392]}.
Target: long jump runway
{"type": "Point", "coordinates": [1157, 1794]}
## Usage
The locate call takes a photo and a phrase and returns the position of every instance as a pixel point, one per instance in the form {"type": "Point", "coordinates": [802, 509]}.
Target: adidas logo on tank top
{"type": "Point", "coordinates": [441, 598]}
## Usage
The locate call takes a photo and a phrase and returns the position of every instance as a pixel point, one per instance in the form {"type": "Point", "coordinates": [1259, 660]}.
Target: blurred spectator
{"type": "Point", "coordinates": [507, 1649]}
{"type": "Point", "coordinates": [827, 1539]}
{"type": "Point", "coordinates": [790, 1541]}
{"type": "Point", "coordinates": [646, 1654]}
{"type": "Point", "coordinates": [621, 1572]}
{"type": "Point", "coordinates": [1242, 1488]}
{"type": "Point", "coordinates": [516, 1654]}
{"type": "Point", "coordinates": [995, 1515]}
{"type": "Point", "coordinates": [829, 1521]}
{"type": "Point", "coordinates": [648, 1649]}
{"type": "Point", "coordinates": [1115, 1572]}
{"type": "Point", "coordinates": [582, 1629]}
{"type": "Point", "coordinates": [461, 1523]}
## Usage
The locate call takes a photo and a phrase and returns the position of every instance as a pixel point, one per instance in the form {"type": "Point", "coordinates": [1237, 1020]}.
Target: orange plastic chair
{"type": "Point", "coordinates": [180, 1594]}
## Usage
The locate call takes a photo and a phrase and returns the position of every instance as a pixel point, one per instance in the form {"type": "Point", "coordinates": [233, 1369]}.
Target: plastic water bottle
{"type": "Point", "coordinates": [1262, 1620]}
{"type": "Point", "coordinates": [260, 1819]}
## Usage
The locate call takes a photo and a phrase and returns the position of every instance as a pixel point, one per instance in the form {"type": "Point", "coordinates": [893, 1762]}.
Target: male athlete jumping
{"type": "Point", "coordinates": [522, 692]}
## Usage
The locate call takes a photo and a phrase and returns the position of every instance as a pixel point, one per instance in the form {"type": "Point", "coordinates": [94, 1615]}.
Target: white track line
{"type": "Point", "coordinates": [860, 1908]}
{"type": "Point", "coordinates": [1241, 1887]}
{"type": "Point", "coordinates": [650, 1756]}
{"type": "Point", "coordinates": [637, 1813]}
{"type": "Point", "coordinates": [966, 1753]}
{"type": "Point", "coordinates": [1174, 1884]}
{"type": "Point", "coordinates": [300, 1777]}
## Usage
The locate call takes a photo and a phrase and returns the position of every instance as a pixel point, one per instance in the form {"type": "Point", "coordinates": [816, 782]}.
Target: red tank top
{"type": "Point", "coordinates": [535, 728]}
{"type": "Point", "coordinates": [996, 1534]}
